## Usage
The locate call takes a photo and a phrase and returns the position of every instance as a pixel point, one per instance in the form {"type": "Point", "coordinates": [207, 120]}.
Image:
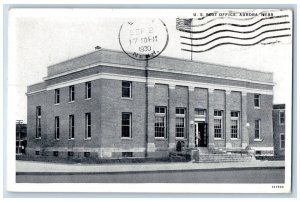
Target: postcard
{"type": "Point", "coordinates": [150, 100]}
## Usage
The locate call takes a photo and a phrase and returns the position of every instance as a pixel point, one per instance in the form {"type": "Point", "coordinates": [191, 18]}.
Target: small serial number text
{"type": "Point", "coordinates": [277, 186]}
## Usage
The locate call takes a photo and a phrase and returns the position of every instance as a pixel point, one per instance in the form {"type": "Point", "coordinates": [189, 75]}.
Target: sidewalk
{"type": "Point", "coordinates": [41, 167]}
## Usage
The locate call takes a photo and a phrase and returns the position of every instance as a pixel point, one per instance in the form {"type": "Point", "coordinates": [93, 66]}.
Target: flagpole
{"type": "Point", "coordinates": [191, 30]}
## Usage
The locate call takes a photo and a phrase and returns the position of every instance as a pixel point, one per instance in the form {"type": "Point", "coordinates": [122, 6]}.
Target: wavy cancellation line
{"type": "Point", "coordinates": [240, 38]}
{"type": "Point", "coordinates": [234, 31]}
{"type": "Point", "coordinates": [231, 18]}
{"type": "Point", "coordinates": [237, 44]}
{"type": "Point", "coordinates": [231, 24]}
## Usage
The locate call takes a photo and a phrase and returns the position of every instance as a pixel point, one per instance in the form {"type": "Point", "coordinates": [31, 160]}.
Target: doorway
{"type": "Point", "coordinates": [201, 134]}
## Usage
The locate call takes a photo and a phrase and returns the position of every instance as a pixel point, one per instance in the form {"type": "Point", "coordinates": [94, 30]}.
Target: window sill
{"type": "Point", "coordinates": [126, 138]}
{"type": "Point", "coordinates": [87, 138]}
{"type": "Point", "coordinates": [71, 139]}
{"type": "Point", "coordinates": [87, 98]}
{"type": "Point", "coordinates": [257, 140]}
{"type": "Point", "coordinates": [56, 104]}
{"type": "Point", "coordinates": [71, 102]}
{"type": "Point", "coordinates": [219, 139]}
{"type": "Point", "coordinates": [160, 138]}
{"type": "Point", "coordinates": [235, 139]}
{"type": "Point", "coordinates": [37, 138]}
{"type": "Point", "coordinates": [256, 107]}
{"type": "Point", "coordinates": [56, 139]}
{"type": "Point", "coordinates": [180, 138]}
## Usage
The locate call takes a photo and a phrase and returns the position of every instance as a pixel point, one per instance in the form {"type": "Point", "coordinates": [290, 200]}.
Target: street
{"type": "Point", "coordinates": [249, 175]}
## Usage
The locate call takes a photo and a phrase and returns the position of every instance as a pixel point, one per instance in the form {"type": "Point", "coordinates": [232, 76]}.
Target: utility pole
{"type": "Point", "coordinates": [146, 75]}
{"type": "Point", "coordinates": [19, 122]}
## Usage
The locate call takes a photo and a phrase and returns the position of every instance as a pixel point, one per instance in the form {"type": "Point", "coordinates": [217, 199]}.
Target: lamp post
{"type": "Point", "coordinates": [19, 122]}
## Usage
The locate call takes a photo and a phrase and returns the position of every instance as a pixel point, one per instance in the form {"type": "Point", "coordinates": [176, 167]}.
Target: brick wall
{"type": "Point", "coordinates": [278, 129]}
{"type": "Point", "coordinates": [111, 109]}
{"type": "Point", "coordinates": [264, 113]}
{"type": "Point", "coordinates": [161, 98]}
{"type": "Point", "coordinates": [78, 108]}
{"type": "Point", "coordinates": [34, 144]}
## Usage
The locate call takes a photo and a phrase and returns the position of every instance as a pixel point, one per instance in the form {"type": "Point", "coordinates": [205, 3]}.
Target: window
{"type": "Point", "coordinates": [126, 125]}
{"type": "Point", "coordinates": [180, 123]}
{"type": "Point", "coordinates": [282, 141]}
{"type": "Point", "coordinates": [56, 97]}
{"type": "Point", "coordinates": [38, 122]}
{"type": "Point", "coordinates": [88, 126]}
{"type": "Point", "coordinates": [86, 154]}
{"type": "Point", "coordinates": [218, 124]}
{"type": "Point", "coordinates": [55, 153]}
{"type": "Point", "coordinates": [235, 122]}
{"type": "Point", "coordinates": [38, 111]}
{"type": "Point", "coordinates": [57, 127]}
{"type": "Point", "coordinates": [127, 154]}
{"type": "Point", "coordinates": [200, 112]}
{"type": "Point", "coordinates": [257, 100]}
{"type": "Point", "coordinates": [71, 93]}
{"type": "Point", "coordinates": [218, 113]}
{"type": "Point", "coordinates": [281, 117]}
{"type": "Point", "coordinates": [160, 122]}
{"type": "Point", "coordinates": [88, 90]}
{"type": "Point", "coordinates": [71, 127]}
{"type": "Point", "coordinates": [126, 89]}
{"type": "Point", "coordinates": [37, 153]}
{"type": "Point", "coordinates": [257, 129]}
{"type": "Point", "coordinates": [70, 153]}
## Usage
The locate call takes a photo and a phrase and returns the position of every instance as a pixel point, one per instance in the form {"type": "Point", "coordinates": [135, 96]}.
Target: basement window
{"type": "Point", "coordinates": [87, 154]}
{"type": "Point", "coordinates": [70, 153]}
{"type": "Point", "coordinates": [55, 153]}
{"type": "Point", "coordinates": [127, 154]}
{"type": "Point", "coordinates": [258, 152]}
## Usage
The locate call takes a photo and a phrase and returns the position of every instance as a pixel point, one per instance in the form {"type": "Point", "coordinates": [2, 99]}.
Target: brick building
{"type": "Point", "coordinates": [279, 129]}
{"type": "Point", "coordinates": [102, 104]}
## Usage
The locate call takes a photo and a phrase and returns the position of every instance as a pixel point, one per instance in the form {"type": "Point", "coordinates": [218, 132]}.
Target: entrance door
{"type": "Point", "coordinates": [201, 134]}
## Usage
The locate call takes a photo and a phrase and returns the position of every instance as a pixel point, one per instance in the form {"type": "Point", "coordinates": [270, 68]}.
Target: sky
{"type": "Point", "coordinates": [42, 37]}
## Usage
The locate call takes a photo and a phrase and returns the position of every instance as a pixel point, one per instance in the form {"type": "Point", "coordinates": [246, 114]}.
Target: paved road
{"type": "Point", "coordinates": [264, 175]}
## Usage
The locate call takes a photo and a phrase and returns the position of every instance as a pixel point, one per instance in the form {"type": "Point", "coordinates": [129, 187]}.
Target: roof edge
{"type": "Point", "coordinates": [163, 56]}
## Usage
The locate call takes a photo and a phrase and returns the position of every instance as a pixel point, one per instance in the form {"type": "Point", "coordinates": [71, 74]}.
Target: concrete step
{"type": "Point", "coordinates": [225, 160]}
{"type": "Point", "coordinates": [221, 156]}
{"type": "Point", "coordinates": [213, 156]}
{"type": "Point", "coordinates": [218, 157]}
{"type": "Point", "coordinates": [203, 150]}
{"type": "Point", "coordinates": [221, 161]}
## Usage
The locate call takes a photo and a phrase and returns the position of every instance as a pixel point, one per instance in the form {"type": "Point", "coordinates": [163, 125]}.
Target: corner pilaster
{"type": "Point", "coordinates": [211, 118]}
{"type": "Point", "coordinates": [244, 129]}
{"type": "Point", "coordinates": [191, 116]}
{"type": "Point", "coordinates": [150, 119]}
{"type": "Point", "coordinates": [228, 144]}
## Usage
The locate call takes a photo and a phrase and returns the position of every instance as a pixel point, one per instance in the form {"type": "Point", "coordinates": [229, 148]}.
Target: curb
{"type": "Point", "coordinates": [149, 171]}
